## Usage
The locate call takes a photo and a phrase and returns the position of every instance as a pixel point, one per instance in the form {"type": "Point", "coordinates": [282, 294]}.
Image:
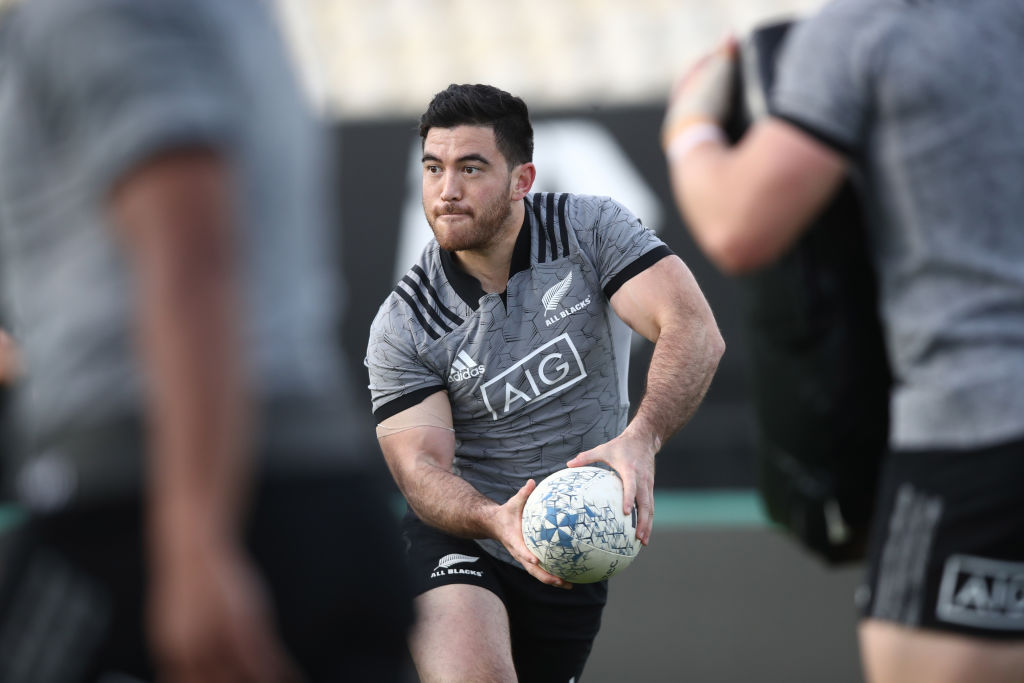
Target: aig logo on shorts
{"type": "Point", "coordinates": [984, 593]}
{"type": "Point", "coordinates": [548, 370]}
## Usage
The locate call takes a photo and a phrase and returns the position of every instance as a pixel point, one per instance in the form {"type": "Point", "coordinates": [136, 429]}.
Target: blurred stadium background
{"type": "Point", "coordinates": [720, 595]}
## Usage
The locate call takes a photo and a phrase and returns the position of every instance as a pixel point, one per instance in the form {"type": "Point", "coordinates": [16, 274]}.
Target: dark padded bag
{"type": "Point", "coordinates": [820, 376]}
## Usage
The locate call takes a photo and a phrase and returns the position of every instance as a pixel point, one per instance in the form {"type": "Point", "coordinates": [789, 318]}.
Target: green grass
{"type": "Point", "coordinates": [674, 508]}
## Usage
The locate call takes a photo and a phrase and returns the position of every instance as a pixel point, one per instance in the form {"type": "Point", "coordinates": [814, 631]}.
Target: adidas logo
{"type": "Point", "coordinates": [553, 296]}
{"type": "Point", "coordinates": [464, 368]}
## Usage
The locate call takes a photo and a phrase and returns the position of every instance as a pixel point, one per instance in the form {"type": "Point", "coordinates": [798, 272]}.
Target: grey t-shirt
{"type": "Point", "coordinates": [926, 97]}
{"type": "Point", "coordinates": [89, 90]}
{"type": "Point", "coordinates": [534, 376]}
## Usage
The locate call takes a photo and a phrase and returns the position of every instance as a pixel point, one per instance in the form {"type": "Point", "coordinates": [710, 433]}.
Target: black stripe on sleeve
{"type": "Point", "coordinates": [413, 398]}
{"type": "Point", "coordinates": [562, 225]}
{"type": "Point", "coordinates": [426, 304]}
{"type": "Point", "coordinates": [550, 225]}
{"type": "Point", "coordinates": [416, 312]}
{"type": "Point", "coordinates": [450, 314]}
{"type": "Point", "coordinates": [542, 246]}
{"type": "Point", "coordinates": [830, 141]}
{"type": "Point", "coordinates": [635, 268]}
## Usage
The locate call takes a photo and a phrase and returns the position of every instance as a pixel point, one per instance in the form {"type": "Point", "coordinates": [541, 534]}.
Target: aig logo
{"type": "Point", "coordinates": [978, 591]}
{"type": "Point", "coordinates": [548, 370]}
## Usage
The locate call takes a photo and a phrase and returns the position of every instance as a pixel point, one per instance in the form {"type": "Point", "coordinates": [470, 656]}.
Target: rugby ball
{"type": "Point", "coordinates": [573, 522]}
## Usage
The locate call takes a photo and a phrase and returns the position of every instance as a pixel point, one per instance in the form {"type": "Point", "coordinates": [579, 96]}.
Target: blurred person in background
{"type": "Point", "coordinates": [922, 102]}
{"type": "Point", "coordinates": [8, 359]}
{"type": "Point", "coordinates": [200, 506]}
{"type": "Point", "coordinates": [518, 284]}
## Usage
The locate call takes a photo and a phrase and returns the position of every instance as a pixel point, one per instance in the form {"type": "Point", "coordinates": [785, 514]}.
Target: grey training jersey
{"type": "Point", "coordinates": [92, 89]}
{"type": "Point", "coordinates": [534, 376]}
{"type": "Point", "coordinates": [927, 97]}
{"type": "Point", "coordinates": [88, 91]}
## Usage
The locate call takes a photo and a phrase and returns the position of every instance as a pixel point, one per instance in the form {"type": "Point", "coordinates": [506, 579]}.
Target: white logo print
{"type": "Point", "coordinates": [553, 296]}
{"type": "Point", "coordinates": [455, 558]}
{"type": "Point", "coordinates": [444, 566]}
{"type": "Point", "coordinates": [981, 592]}
{"type": "Point", "coordinates": [552, 368]}
{"type": "Point", "coordinates": [464, 367]}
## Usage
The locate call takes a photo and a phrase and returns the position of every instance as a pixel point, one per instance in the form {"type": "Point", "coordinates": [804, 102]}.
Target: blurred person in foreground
{"type": "Point", "coordinates": [922, 102]}
{"type": "Point", "coordinates": [199, 507]}
{"type": "Point", "coordinates": [501, 358]}
{"type": "Point", "coordinates": [8, 359]}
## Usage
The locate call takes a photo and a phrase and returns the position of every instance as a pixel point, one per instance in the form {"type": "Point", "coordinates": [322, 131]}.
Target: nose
{"type": "Point", "coordinates": [451, 187]}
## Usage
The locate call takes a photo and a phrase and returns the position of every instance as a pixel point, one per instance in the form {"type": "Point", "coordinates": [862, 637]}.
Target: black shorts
{"type": "Point", "coordinates": [947, 547]}
{"type": "Point", "coordinates": [552, 628]}
{"type": "Point", "coordinates": [73, 585]}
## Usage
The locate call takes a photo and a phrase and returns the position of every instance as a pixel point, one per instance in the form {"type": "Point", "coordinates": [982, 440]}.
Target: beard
{"type": "Point", "coordinates": [478, 233]}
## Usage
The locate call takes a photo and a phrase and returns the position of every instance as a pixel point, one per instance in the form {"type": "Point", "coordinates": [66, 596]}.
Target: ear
{"type": "Point", "coordinates": [522, 179]}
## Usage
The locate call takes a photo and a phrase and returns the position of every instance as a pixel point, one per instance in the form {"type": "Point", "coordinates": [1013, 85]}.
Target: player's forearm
{"type": "Point", "coordinates": [176, 221]}
{"type": "Point", "coordinates": [682, 366]}
{"type": "Point", "coordinates": [198, 464]}
{"type": "Point", "coordinates": [437, 496]}
{"type": "Point", "coordinates": [443, 500]}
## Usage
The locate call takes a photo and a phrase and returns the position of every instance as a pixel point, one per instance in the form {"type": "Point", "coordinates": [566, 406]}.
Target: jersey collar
{"type": "Point", "coordinates": [468, 287]}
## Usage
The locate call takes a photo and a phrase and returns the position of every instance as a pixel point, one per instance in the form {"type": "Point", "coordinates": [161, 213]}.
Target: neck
{"type": "Point", "coordinates": [490, 265]}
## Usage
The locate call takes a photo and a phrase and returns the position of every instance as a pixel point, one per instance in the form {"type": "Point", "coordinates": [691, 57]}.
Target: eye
{"type": "Point", "coordinates": [432, 169]}
{"type": "Point", "coordinates": [471, 170]}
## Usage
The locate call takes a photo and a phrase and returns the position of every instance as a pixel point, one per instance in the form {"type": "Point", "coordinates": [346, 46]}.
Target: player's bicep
{"type": "Point", "coordinates": [770, 189]}
{"type": "Point", "coordinates": [422, 435]}
{"type": "Point", "coordinates": [654, 298]}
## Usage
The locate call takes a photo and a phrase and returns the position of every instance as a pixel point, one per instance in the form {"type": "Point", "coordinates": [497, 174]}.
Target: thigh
{"type": "Point", "coordinates": [946, 551]}
{"type": "Point", "coordinates": [892, 653]}
{"type": "Point", "coordinates": [549, 631]}
{"type": "Point", "coordinates": [462, 627]}
{"type": "Point", "coordinates": [462, 634]}
{"type": "Point", "coordinates": [552, 629]}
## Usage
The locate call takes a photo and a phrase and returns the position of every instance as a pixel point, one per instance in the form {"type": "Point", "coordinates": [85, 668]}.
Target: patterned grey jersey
{"type": "Point", "coordinates": [926, 98]}
{"type": "Point", "coordinates": [535, 376]}
{"type": "Point", "coordinates": [92, 90]}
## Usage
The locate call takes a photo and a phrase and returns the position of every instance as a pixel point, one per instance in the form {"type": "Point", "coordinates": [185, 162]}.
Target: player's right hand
{"type": "Point", "coordinates": [510, 533]}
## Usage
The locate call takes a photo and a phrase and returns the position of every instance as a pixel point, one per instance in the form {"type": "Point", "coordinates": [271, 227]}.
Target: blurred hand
{"type": "Point", "coordinates": [210, 620]}
{"type": "Point", "coordinates": [634, 461]}
{"type": "Point", "coordinates": [702, 94]}
{"type": "Point", "coordinates": [508, 523]}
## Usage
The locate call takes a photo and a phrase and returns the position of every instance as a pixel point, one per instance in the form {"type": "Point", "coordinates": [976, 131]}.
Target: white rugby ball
{"type": "Point", "coordinates": [573, 522]}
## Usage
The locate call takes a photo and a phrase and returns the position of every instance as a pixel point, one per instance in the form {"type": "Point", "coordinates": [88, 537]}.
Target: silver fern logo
{"type": "Point", "coordinates": [454, 558]}
{"type": "Point", "coordinates": [444, 566]}
{"type": "Point", "coordinates": [553, 296]}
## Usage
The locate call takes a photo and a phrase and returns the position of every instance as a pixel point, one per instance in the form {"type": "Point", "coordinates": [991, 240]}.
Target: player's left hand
{"type": "Point", "coordinates": [634, 461]}
{"type": "Point", "coordinates": [703, 93]}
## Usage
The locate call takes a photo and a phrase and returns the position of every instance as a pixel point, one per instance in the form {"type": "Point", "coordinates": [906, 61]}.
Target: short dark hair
{"type": "Point", "coordinates": [484, 105]}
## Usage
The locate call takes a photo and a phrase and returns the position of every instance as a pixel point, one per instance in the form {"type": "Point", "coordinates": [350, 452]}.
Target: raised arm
{"type": "Point", "coordinates": [744, 204]}
{"type": "Point", "coordinates": [419, 448]}
{"type": "Point", "coordinates": [665, 305]}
